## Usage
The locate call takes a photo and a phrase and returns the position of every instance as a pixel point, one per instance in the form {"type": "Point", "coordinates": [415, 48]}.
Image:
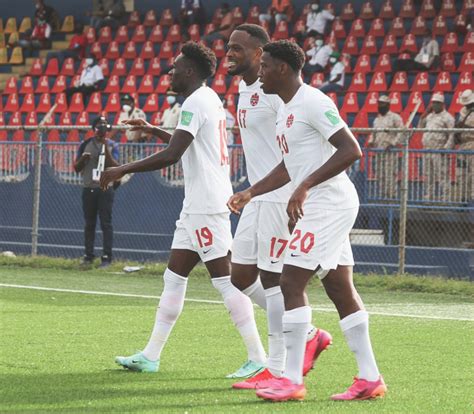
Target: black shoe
{"type": "Point", "coordinates": [87, 261]}
{"type": "Point", "coordinates": [106, 261]}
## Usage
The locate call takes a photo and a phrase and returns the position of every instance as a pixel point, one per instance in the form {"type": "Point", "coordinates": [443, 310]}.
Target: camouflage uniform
{"type": "Point", "coordinates": [436, 167]}
{"type": "Point", "coordinates": [464, 162]}
{"type": "Point", "coordinates": [386, 163]}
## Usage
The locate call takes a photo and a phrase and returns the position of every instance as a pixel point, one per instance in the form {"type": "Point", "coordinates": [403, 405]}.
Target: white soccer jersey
{"type": "Point", "coordinates": [304, 126]}
{"type": "Point", "coordinates": [207, 186]}
{"type": "Point", "coordinates": [256, 115]}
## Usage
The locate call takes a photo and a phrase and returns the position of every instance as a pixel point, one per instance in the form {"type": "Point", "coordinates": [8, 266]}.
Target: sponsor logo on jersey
{"type": "Point", "coordinates": [186, 118]}
{"type": "Point", "coordinates": [333, 116]}
{"type": "Point", "coordinates": [254, 99]}
{"type": "Point", "coordinates": [289, 120]}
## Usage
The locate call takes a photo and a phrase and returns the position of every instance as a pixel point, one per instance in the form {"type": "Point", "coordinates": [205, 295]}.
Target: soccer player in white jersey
{"type": "Point", "coordinates": [262, 234]}
{"type": "Point", "coordinates": [317, 148]}
{"type": "Point", "coordinates": [203, 229]}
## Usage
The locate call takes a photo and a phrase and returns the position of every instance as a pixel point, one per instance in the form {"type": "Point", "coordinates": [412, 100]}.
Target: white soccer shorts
{"type": "Point", "coordinates": [208, 235]}
{"type": "Point", "coordinates": [262, 236]}
{"type": "Point", "coordinates": [321, 238]}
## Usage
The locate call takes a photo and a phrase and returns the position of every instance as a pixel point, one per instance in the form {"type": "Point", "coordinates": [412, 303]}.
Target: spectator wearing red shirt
{"type": "Point", "coordinates": [40, 37]}
{"type": "Point", "coordinates": [76, 49]}
{"type": "Point", "coordinates": [279, 10]}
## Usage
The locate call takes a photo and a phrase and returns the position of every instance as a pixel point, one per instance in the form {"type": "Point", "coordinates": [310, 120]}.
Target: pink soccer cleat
{"type": "Point", "coordinates": [251, 383]}
{"type": "Point", "coordinates": [362, 389]}
{"type": "Point", "coordinates": [314, 347]}
{"type": "Point", "coordinates": [282, 389]}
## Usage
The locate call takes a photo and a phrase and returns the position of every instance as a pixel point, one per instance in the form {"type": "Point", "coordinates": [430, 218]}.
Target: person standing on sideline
{"type": "Point", "coordinates": [90, 156]}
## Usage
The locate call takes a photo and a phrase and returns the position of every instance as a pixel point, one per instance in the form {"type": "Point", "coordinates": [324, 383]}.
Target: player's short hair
{"type": "Point", "coordinates": [203, 57]}
{"type": "Point", "coordinates": [96, 121]}
{"type": "Point", "coordinates": [255, 31]}
{"type": "Point", "coordinates": [288, 52]}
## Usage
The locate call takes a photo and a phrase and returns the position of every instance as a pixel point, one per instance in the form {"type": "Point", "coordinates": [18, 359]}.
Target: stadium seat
{"type": "Point", "coordinates": [448, 62]}
{"type": "Point", "coordinates": [139, 35]}
{"type": "Point", "coordinates": [44, 104]}
{"type": "Point", "coordinates": [193, 32]}
{"type": "Point", "coordinates": [156, 35]}
{"type": "Point", "coordinates": [397, 28]}
{"type": "Point", "coordinates": [96, 50]}
{"type": "Point", "coordinates": [95, 103]}
{"type": "Point", "coordinates": [218, 84]}
{"type": "Point", "coordinates": [253, 14]}
{"type": "Point", "coordinates": [113, 103]}
{"type": "Point", "coordinates": [16, 57]}
{"type": "Point", "coordinates": [43, 85]}
{"type": "Point", "coordinates": [443, 82]}
{"type": "Point", "coordinates": [468, 45]}
{"type": "Point", "coordinates": [166, 18]}
{"type": "Point", "coordinates": [150, 19]}
{"type": "Point", "coordinates": [421, 83]}
{"type": "Point", "coordinates": [357, 28]}
{"type": "Point", "coordinates": [363, 64]}
{"type": "Point", "coordinates": [377, 28]}
{"type": "Point", "coordinates": [15, 120]}
{"type": "Point", "coordinates": [154, 67]}
{"type": "Point", "coordinates": [68, 67]}
{"type": "Point", "coordinates": [151, 103]}
{"type": "Point", "coordinates": [130, 84]}
{"type": "Point", "coordinates": [413, 100]}
{"type": "Point", "coordinates": [409, 43]}
{"type": "Point", "coordinates": [166, 50]}
{"type": "Point", "coordinates": [25, 25]}
{"type": "Point", "coordinates": [386, 11]}
{"type": "Point", "coordinates": [83, 119]}
{"type": "Point", "coordinates": [230, 103]}
{"type": "Point", "coordinates": [456, 104]}
{"type": "Point", "coordinates": [163, 84]}
{"type": "Point", "coordinates": [13, 39]}
{"type": "Point", "coordinates": [378, 83]}
{"type": "Point", "coordinates": [218, 47]}
{"type": "Point", "coordinates": [134, 19]}
{"type": "Point", "coordinates": [12, 103]}
{"type": "Point", "coordinates": [350, 46]}
{"type": "Point", "coordinates": [3, 132]}
{"type": "Point", "coordinates": [333, 96]}
{"type": "Point", "coordinates": [407, 10]}
{"type": "Point", "coordinates": [418, 26]}
{"type": "Point", "coordinates": [11, 85]}
{"type": "Point", "coordinates": [359, 83]}
{"type": "Point", "coordinates": [146, 85]}
{"type": "Point", "coordinates": [467, 62]}
{"type": "Point", "coordinates": [383, 63]}
{"type": "Point", "coordinates": [439, 27]}
{"type": "Point", "coordinates": [174, 34]}
{"type": "Point", "coordinates": [399, 82]}
{"type": "Point", "coordinates": [60, 102]}
{"type": "Point", "coordinates": [281, 31]}
{"type": "Point", "coordinates": [138, 67]}
{"type": "Point", "coordinates": [338, 29]}
{"type": "Point", "coordinates": [3, 56]}
{"type": "Point", "coordinates": [361, 120]}
{"type": "Point", "coordinates": [395, 102]}
{"type": "Point", "coordinates": [465, 81]}
{"type": "Point", "coordinates": [65, 119]}
{"type": "Point", "coordinates": [448, 8]}
{"type": "Point", "coordinates": [28, 104]}
{"type": "Point", "coordinates": [75, 79]}
{"type": "Point", "coordinates": [130, 51]}
{"type": "Point", "coordinates": [234, 85]}
{"type": "Point", "coordinates": [348, 12]}
{"type": "Point", "coordinates": [389, 45]}
{"type": "Point", "coordinates": [450, 43]}
{"type": "Point", "coordinates": [77, 103]}
{"type": "Point", "coordinates": [210, 27]}
{"type": "Point", "coordinates": [350, 104]}
{"type": "Point", "coordinates": [120, 68]}
{"type": "Point", "coordinates": [105, 35]}
{"type": "Point", "coordinates": [369, 46]}
{"type": "Point", "coordinates": [10, 26]}
{"type": "Point", "coordinates": [104, 65]}
{"type": "Point", "coordinates": [222, 68]}
{"type": "Point", "coordinates": [112, 50]}
{"type": "Point", "coordinates": [238, 16]}
{"type": "Point", "coordinates": [148, 51]}
{"type": "Point", "coordinates": [156, 118]}
{"type": "Point", "coordinates": [427, 10]}
{"type": "Point", "coordinates": [371, 102]}
{"type": "Point", "coordinates": [122, 34]}
{"type": "Point", "coordinates": [367, 11]}
{"type": "Point", "coordinates": [317, 79]}
{"type": "Point", "coordinates": [90, 34]}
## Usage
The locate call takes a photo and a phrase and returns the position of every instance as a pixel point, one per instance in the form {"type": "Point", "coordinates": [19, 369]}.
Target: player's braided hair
{"type": "Point", "coordinates": [255, 31]}
{"type": "Point", "coordinates": [288, 52]}
{"type": "Point", "coordinates": [202, 56]}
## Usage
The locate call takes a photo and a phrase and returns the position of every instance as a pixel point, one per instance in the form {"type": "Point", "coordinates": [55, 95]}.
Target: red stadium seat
{"type": "Point", "coordinates": [166, 18]}
{"type": "Point", "coordinates": [395, 102]}
{"type": "Point", "coordinates": [409, 43]}
{"type": "Point", "coordinates": [12, 104]}
{"type": "Point", "coordinates": [44, 104]}
{"type": "Point", "coordinates": [357, 28]}
{"type": "Point", "coordinates": [154, 67]}
{"type": "Point", "coordinates": [138, 67]}
{"type": "Point", "coordinates": [467, 62]}
{"type": "Point", "coordinates": [439, 27]}
{"type": "Point", "coordinates": [218, 84]}
{"type": "Point", "coordinates": [96, 50]}
{"type": "Point", "coordinates": [418, 26]}
{"type": "Point", "coordinates": [383, 63]}
{"type": "Point", "coordinates": [350, 46]}
{"type": "Point", "coordinates": [427, 9]}
{"type": "Point", "coordinates": [338, 28]}
{"type": "Point", "coordinates": [156, 35]}
{"type": "Point", "coordinates": [447, 62]}
{"type": "Point", "coordinates": [59, 84]}
{"type": "Point", "coordinates": [350, 104]}
{"type": "Point", "coordinates": [151, 104]}
{"type": "Point", "coordinates": [281, 31]}
{"type": "Point", "coordinates": [386, 11]}
{"type": "Point", "coordinates": [389, 45]}
{"type": "Point", "coordinates": [371, 102]}
{"type": "Point", "coordinates": [443, 83]}
{"type": "Point", "coordinates": [331, 40]}
{"type": "Point", "coordinates": [421, 83]}
{"type": "Point", "coordinates": [450, 43]}
{"type": "Point", "coordinates": [122, 35]}
{"type": "Point", "coordinates": [448, 8]}
{"type": "Point", "coordinates": [359, 83]}
{"type": "Point", "coordinates": [130, 51]}
{"type": "Point", "coordinates": [193, 32]}
{"type": "Point", "coordinates": [367, 11]}
{"type": "Point", "coordinates": [11, 85]}
{"type": "Point", "coordinates": [174, 34]}
{"type": "Point", "coordinates": [348, 12]}
{"type": "Point", "coordinates": [15, 119]}
{"type": "Point", "coordinates": [28, 104]}
{"type": "Point", "coordinates": [361, 120]}
{"type": "Point", "coordinates": [60, 102]}
{"type": "Point", "coordinates": [36, 68]}
{"type": "Point", "coordinates": [468, 45]}
{"type": "Point", "coordinates": [113, 103]}
{"type": "Point", "coordinates": [376, 28]}
{"type": "Point", "coordinates": [104, 65]}
{"type": "Point", "coordinates": [77, 103]}
{"type": "Point", "coordinates": [369, 46]}
{"type": "Point", "coordinates": [30, 120]}
{"type": "Point", "coordinates": [230, 102]}
{"type": "Point", "coordinates": [105, 35]}
{"type": "Point", "coordinates": [413, 100]}
{"type": "Point", "coordinates": [26, 86]}
{"type": "Point", "coordinates": [134, 19]}
{"type": "Point", "coordinates": [465, 81]}
{"type": "Point", "coordinates": [139, 35]}
{"type": "Point", "coordinates": [238, 16]}
{"type": "Point", "coordinates": [166, 50]}
{"type": "Point", "coordinates": [146, 85]}
{"type": "Point", "coordinates": [399, 82]}
{"type": "Point", "coordinates": [397, 28]}
{"type": "Point", "coordinates": [456, 104]}
{"type": "Point", "coordinates": [333, 96]}
{"type": "Point", "coordinates": [163, 84]}
{"type": "Point", "coordinates": [3, 132]}
{"type": "Point", "coordinates": [218, 46]}
{"type": "Point", "coordinates": [68, 67]}
{"type": "Point", "coordinates": [52, 69]}
{"type": "Point", "coordinates": [95, 103]}
{"type": "Point", "coordinates": [210, 27]}
{"type": "Point", "coordinates": [222, 68]}
{"type": "Point", "coordinates": [234, 85]}
{"type": "Point", "coordinates": [253, 14]}
{"type": "Point", "coordinates": [346, 61]}
{"type": "Point", "coordinates": [43, 85]}
{"type": "Point", "coordinates": [120, 68]}
{"type": "Point", "coordinates": [407, 10]}
{"type": "Point", "coordinates": [217, 17]}
{"type": "Point", "coordinates": [378, 82]}
{"type": "Point", "coordinates": [363, 64]}
{"type": "Point", "coordinates": [156, 118]}
{"type": "Point", "coordinates": [150, 19]}
{"type": "Point", "coordinates": [65, 119]}
{"type": "Point", "coordinates": [90, 34]}
{"type": "Point", "coordinates": [130, 84]}
{"type": "Point", "coordinates": [112, 51]}
{"type": "Point", "coordinates": [83, 119]}
{"type": "Point", "coordinates": [148, 51]}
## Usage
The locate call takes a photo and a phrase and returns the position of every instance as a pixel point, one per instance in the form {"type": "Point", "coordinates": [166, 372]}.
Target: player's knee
{"type": "Point", "coordinates": [170, 309]}
{"type": "Point", "coordinates": [289, 288]}
{"type": "Point", "coordinates": [239, 283]}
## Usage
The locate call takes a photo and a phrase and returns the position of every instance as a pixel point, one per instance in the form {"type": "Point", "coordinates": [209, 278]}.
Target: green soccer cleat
{"type": "Point", "coordinates": [249, 369]}
{"type": "Point", "coordinates": [138, 363]}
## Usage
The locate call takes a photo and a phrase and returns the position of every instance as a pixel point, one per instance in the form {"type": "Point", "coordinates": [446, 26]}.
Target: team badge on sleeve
{"type": "Point", "coordinates": [254, 99]}
{"type": "Point", "coordinates": [333, 116]}
{"type": "Point", "coordinates": [289, 120]}
{"type": "Point", "coordinates": [186, 118]}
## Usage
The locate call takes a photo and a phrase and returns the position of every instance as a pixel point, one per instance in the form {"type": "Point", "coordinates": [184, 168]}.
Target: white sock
{"type": "Point", "coordinates": [356, 330]}
{"type": "Point", "coordinates": [257, 294]}
{"type": "Point", "coordinates": [276, 342]}
{"type": "Point", "coordinates": [241, 312]}
{"type": "Point", "coordinates": [296, 323]}
{"type": "Point", "coordinates": [169, 309]}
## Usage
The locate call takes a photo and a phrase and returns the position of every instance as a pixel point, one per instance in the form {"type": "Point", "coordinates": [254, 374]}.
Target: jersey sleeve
{"type": "Point", "coordinates": [323, 115]}
{"type": "Point", "coordinates": [275, 102]}
{"type": "Point", "coordinates": [190, 118]}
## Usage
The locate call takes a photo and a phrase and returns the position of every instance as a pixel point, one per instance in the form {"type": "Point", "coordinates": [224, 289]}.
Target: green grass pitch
{"type": "Point", "coordinates": [58, 348]}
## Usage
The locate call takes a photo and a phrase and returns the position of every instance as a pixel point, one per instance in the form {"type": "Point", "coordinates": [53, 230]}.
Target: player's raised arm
{"type": "Point", "coordinates": [147, 128]}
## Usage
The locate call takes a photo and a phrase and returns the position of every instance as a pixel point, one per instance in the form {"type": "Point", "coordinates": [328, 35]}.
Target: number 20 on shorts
{"type": "Point", "coordinates": [305, 244]}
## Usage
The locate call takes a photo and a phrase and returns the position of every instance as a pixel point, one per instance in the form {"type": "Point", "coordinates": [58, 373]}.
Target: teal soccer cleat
{"type": "Point", "coordinates": [138, 363]}
{"type": "Point", "coordinates": [249, 369]}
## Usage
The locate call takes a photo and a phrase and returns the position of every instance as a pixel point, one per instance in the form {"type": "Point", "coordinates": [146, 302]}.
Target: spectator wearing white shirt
{"type": "Point", "coordinates": [130, 111]}
{"type": "Point", "coordinates": [91, 80]}
{"type": "Point", "coordinates": [335, 83]}
{"type": "Point", "coordinates": [191, 12]}
{"type": "Point", "coordinates": [427, 57]}
{"type": "Point", "coordinates": [317, 19]}
{"type": "Point", "coordinates": [317, 55]}
{"type": "Point", "coordinates": [170, 117]}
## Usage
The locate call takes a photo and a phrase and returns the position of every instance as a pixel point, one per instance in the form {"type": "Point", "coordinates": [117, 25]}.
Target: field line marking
{"type": "Point", "coordinates": [214, 302]}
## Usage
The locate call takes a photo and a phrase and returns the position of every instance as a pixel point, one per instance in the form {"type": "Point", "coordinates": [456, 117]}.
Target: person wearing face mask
{"type": "Point", "coordinates": [436, 166]}
{"type": "Point", "coordinates": [318, 55]}
{"type": "Point", "coordinates": [386, 163]}
{"type": "Point", "coordinates": [427, 57]}
{"type": "Point", "coordinates": [335, 82]}
{"type": "Point", "coordinates": [317, 19]}
{"type": "Point", "coordinates": [170, 117]}
{"type": "Point", "coordinates": [129, 111]}
{"type": "Point", "coordinates": [91, 80]}
{"type": "Point", "coordinates": [93, 157]}
{"type": "Point", "coordinates": [40, 37]}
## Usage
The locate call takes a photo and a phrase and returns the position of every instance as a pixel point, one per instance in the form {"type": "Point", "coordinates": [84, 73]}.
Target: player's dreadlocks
{"type": "Point", "coordinates": [288, 52]}
{"type": "Point", "coordinates": [255, 31]}
{"type": "Point", "coordinates": [202, 56]}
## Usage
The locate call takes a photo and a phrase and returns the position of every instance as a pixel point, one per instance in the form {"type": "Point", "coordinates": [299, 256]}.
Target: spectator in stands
{"type": "Point", "coordinates": [427, 57]}
{"type": "Point", "coordinates": [98, 13]}
{"type": "Point", "coordinates": [50, 14]}
{"type": "Point", "coordinates": [114, 14]}
{"type": "Point", "coordinates": [40, 37]}
{"type": "Point", "coordinates": [191, 12]}
{"type": "Point", "coordinates": [76, 49]}
{"type": "Point", "coordinates": [436, 165]}
{"type": "Point", "coordinates": [170, 117]}
{"type": "Point", "coordinates": [229, 123]}
{"type": "Point", "coordinates": [335, 82]}
{"type": "Point", "coordinates": [96, 202]}
{"type": "Point", "coordinates": [129, 111]}
{"type": "Point", "coordinates": [278, 11]}
{"type": "Point", "coordinates": [225, 29]}
{"type": "Point", "coordinates": [318, 55]}
{"type": "Point", "coordinates": [386, 163]}
{"type": "Point", "coordinates": [317, 19]}
{"type": "Point", "coordinates": [92, 80]}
